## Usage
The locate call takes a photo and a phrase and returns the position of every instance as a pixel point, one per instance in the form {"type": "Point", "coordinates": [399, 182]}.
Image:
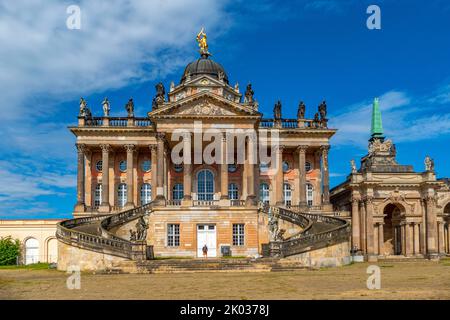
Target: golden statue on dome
{"type": "Point", "coordinates": [202, 42]}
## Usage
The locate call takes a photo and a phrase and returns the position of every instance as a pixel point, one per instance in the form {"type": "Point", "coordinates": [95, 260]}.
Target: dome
{"type": "Point", "coordinates": [204, 66]}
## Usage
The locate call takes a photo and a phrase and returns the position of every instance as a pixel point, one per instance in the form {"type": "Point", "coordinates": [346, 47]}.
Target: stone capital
{"type": "Point", "coordinates": [81, 148]}
{"type": "Point", "coordinates": [325, 149]}
{"type": "Point", "coordinates": [105, 148]}
{"type": "Point", "coordinates": [160, 136]}
{"type": "Point", "coordinates": [302, 149]}
{"type": "Point", "coordinates": [130, 147]}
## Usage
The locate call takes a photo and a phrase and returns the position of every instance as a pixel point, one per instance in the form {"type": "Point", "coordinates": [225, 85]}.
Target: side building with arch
{"type": "Point", "coordinates": [37, 238]}
{"type": "Point", "coordinates": [394, 210]}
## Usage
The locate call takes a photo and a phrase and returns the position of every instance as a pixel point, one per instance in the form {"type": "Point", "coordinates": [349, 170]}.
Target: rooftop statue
{"type": "Point", "coordinates": [160, 96]}
{"type": "Point", "coordinates": [248, 97]}
{"type": "Point", "coordinates": [429, 164]}
{"type": "Point", "coordinates": [130, 108]}
{"type": "Point", "coordinates": [301, 110]}
{"type": "Point", "coordinates": [83, 107]}
{"type": "Point", "coordinates": [277, 111]}
{"type": "Point", "coordinates": [353, 165]}
{"type": "Point", "coordinates": [323, 110]}
{"type": "Point", "coordinates": [202, 42]}
{"type": "Point", "coordinates": [106, 107]}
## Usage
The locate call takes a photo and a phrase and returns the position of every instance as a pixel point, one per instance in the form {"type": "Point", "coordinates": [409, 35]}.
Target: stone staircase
{"type": "Point", "coordinates": [95, 234]}
{"type": "Point", "coordinates": [205, 265]}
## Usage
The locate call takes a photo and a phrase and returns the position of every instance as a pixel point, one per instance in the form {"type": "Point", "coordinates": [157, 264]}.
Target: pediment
{"type": "Point", "coordinates": [204, 104]}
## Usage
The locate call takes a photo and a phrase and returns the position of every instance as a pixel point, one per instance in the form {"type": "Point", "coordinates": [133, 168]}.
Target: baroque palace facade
{"type": "Point", "coordinates": [205, 171]}
{"type": "Point", "coordinates": [124, 163]}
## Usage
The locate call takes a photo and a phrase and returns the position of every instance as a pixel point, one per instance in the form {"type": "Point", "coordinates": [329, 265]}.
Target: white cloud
{"type": "Point", "coordinates": [44, 64]}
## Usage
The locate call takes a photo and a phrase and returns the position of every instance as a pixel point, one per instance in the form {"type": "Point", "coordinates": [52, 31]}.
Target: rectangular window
{"type": "Point", "coordinates": [173, 235]}
{"type": "Point", "coordinates": [238, 234]}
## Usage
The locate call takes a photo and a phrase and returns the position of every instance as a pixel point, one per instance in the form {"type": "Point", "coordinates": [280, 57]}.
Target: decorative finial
{"type": "Point", "coordinates": [377, 126]}
{"type": "Point", "coordinates": [202, 43]}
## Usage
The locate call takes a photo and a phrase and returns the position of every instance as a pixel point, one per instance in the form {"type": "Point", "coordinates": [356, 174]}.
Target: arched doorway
{"type": "Point", "coordinates": [447, 228]}
{"type": "Point", "coordinates": [392, 232]}
{"type": "Point", "coordinates": [52, 250]}
{"type": "Point", "coordinates": [31, 251]}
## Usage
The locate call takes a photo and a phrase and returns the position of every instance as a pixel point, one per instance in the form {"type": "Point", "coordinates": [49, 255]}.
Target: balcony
{"type": "Point", "coordinates": [114, 122]}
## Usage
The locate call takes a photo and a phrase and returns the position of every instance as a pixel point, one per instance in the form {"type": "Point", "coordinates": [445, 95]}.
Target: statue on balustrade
{"type": "Point", "coordinates": [280, 235]}
{"type": "Point", "coordinates": [429, 164]}
{"type": "Point", "coordinates": [141, 229]}
{"type": "Point", "coordinates": [133, 236]}
{"type": "Point", "coordinates": [160, 96]}
{"type": "Point", "coordinates": [301, 111]}
{"type": "Point", "coordinates": [353, 165]}
{"type": "Point", "coordinates": [106, 107]}
{"type": "Point", "coordinates": [83, 107]}
{"type": "Point", "coordinates": [316, 120]}
{"type": "Point", "coordinates": [277, 111]}
{"type": "Point", "coordinates": [249, 94]}
{"type": "Point", "coordinates": [323, 114]}
{"type": "Point", "coordinates": [130, 108]}
{"type": "Point", "coordinates": [273, 226]}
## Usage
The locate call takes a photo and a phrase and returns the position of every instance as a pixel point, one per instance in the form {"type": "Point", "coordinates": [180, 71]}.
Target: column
{"type": "Point", "coordinates": [130, 148]}
{"type": "Point", "coordinates": [356, 244]}
{"type": "Point", "coordinates": [80, 205]}
{"type": "Point", "coordinates": [416, 239]}
{"type": "Point", "coordinates": [380, 239]}
{"type": "Point", "coordinates": [326, 175]}
{"type": "Point", "coordinates": [224, 169]}
{"type": "Point", "coordinates": [251, 154]}
{"type": "Point", "coordinates": [154, 170]}
{"type": "Point", "coordinates": [279, 180]}
{"type": "Point", "coordinates": [187, 167]}
{"type": "Point", "coordinates": [302, 174]}
{"type": "Point", "coordinates": [370, 229]}
{"type": "Point", "coordinates": [160, 167]}
{"type": "Point", "coordinates": [441, 241]}
{"type": "Point", "coordinates": [431, 226]}
{"type": "Point", "coordinates": [363, 226]}
{"type": "Point", "coordinates": [409, 239]}
{"type": "Point", "coordinates": [105, 178]}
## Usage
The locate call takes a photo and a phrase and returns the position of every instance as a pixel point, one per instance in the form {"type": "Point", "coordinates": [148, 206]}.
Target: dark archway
{"type": "Point", "coordinates": [392, 232]}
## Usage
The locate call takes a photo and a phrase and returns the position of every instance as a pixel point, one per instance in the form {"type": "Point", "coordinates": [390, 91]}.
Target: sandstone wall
{"type": "Point", "coordinates": [331, 256]}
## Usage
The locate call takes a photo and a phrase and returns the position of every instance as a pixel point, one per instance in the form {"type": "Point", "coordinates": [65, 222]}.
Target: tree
{"type": "Point", "coordinates": [9, 250]}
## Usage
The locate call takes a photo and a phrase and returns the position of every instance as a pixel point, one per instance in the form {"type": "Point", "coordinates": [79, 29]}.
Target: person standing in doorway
{"type": "Point", "coordinates": [205, 251]}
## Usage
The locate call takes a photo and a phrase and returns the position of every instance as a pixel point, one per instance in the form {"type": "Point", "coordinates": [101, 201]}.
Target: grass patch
{"type": "Point", "coordinates": [34, 266]}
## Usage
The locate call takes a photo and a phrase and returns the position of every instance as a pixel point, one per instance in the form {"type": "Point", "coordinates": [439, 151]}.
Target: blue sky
{"type": "Point", "coordinates": [292, 51]}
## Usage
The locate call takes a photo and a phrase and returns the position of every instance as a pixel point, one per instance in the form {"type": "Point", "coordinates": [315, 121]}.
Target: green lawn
{"type": "Point", "coordinates": [34, 266]}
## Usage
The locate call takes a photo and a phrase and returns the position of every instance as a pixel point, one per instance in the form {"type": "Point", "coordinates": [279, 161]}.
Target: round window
{"type": "Point", "coordinates": [178, 167]}
{"type": "Point", "coordinates": [99, 166]}
{"type": "Point", "coordinates": [308, 166]}
{"type": "Point", "coordinates": [285, 166]}
{"type": "Point", "coordinates": [146, 165]}
{"type": "Point", "coordinates": [232, 167]}
{"type": "Point", "coordinates": [123, 166]}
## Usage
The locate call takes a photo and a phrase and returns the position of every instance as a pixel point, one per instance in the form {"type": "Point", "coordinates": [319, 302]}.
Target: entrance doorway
{"type": "Point", "coordinates": [206, 235]}
{"type": "Point", "coordinates": [392, 232]}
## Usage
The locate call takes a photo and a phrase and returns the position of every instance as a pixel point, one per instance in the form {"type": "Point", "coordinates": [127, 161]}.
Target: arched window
{"type": "Point", "coordinates": [31, 251]}
{"type": "Point", "coordinates": [146, 193]}
{"type": "Point", "coordinates": [264, 194]}
{"type": "Point", "coordinates": [205, 185]}
{"type": "Point", "coordinates": [98, 195]}
{"type": "Point", "coordinates": [233, 193]}
{"type": "Point", "coordinates": [177, 192]}
{"type": "Point", "coordinates": [287, 193]}
{"type": "Point", "coordinates": [52, 250]}
{"type": "Point", "coordinates": [309, 194]}
{"type": "Point", "coordinates": [122, 194]}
